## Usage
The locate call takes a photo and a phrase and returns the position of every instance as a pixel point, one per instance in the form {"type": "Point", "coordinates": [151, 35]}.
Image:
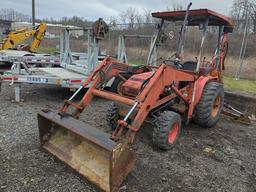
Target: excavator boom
{"type": "Point", "coordinates": [19, 36]}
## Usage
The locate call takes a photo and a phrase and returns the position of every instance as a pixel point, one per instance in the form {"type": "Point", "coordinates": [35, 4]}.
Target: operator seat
{"type": "Point", "coordinates": [189, 65]}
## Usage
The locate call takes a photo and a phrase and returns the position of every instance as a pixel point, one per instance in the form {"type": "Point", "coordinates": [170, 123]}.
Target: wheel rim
{"type": "Point", "coordinates": [216, 106]}
{"type": "Point", "coordinates": [173, 133]}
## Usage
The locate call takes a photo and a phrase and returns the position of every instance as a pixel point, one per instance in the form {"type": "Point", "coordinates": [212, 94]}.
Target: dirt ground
{"type": "Point", "coordinates": [217, 159]}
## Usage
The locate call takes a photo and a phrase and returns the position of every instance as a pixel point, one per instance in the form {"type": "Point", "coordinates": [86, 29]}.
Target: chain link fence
{"type": "Point", "coordinates": [137, 48]}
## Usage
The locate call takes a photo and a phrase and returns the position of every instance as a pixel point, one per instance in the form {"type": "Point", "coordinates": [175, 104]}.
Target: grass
{"type": "Point", "coordinates": [136, 62]}
{"type": "Point", "coordinates": [48, 50]}
{"type": "Point", "coordinates": [241, 84]}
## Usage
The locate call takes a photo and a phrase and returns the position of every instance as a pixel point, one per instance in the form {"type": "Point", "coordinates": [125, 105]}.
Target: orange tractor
{"type": "Point", "coordinates": [176, 91]}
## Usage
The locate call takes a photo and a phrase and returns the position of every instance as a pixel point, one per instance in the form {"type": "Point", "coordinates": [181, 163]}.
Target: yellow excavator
{"type": "Point", "coordinates": [16, 37]}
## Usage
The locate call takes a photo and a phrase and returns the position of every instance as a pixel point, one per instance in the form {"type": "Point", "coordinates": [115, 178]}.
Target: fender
{"type": "Point", "coordinates": [201, 82]}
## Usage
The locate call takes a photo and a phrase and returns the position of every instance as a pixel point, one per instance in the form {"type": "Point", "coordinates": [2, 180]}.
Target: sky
{"type": "Point", "coordinates": [93, 9]}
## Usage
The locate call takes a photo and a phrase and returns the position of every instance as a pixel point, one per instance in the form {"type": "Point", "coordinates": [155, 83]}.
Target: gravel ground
{"type": "Point", "coordinates": [217, 159]}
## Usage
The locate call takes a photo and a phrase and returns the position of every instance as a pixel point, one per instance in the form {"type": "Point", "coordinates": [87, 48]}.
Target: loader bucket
{"type": "Point", "coordinates": [87, 150]}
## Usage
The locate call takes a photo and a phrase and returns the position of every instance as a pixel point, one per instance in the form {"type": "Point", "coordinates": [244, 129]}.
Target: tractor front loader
{"type": "Point", "coordinates": [174, 92]}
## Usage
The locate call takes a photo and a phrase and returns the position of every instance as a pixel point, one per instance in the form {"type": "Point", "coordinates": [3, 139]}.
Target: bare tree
{"type": "Point", "coordinates": [253, 14]}
{"type": "Point", "coordinates": [130, 15]}
{"type": "Point", "coordinates": [168, 8]}
{"type": "Point", "coordinates": [147, 16]}
{"type": "Point", "coordinates": [238, 13]}
{"type": "Point", "coordinates": [177, 6]}
{"type": "Point", "coordinates": [123, 17]}
{"type": "Point", "coordinates": [139, 20]}
{"type": "Point", "coordinates": [12, 15]}
{"type": "Point", "coordinates": [113, 20]}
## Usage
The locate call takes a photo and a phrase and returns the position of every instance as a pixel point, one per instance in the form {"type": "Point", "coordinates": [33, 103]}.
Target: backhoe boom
{"type": "Point", "coordinates": [19, 36]}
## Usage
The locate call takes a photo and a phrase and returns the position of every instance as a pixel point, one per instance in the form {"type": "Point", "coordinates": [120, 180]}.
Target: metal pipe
{"type": "Point", "coordinates": [77, 91]}
{"type": "Point", "coordinates": [26, 68]}
{"type": "Point", "coordinates": [179, 94]}
{"type": "Point", "coordinates": [13, 67]}
{"type": "Point", "coordinates": [219, 46]}
{"type": "Point", "coordinates": [131, 111]}
{"type": "Point", "coordinates": [33, 13]}
{"type": "Point", "coordinates": [138, 36]}
{"type": "Point", "coordinates": [232, 108]}
{"type": "Point", "coordinates": [202, 45]}
{"type": "Point", "coordinates": [113, 97]}
{"type": "Point", "coordinates": [79, 29]}
{"type": "Point", "coordinates": [156, 37]}
{"type": "Point", "coordinates": [183, 31]}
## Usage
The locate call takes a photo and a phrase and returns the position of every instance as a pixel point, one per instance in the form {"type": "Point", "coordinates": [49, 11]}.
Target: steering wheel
{"type": "Point", "coordinates": [174, 63]}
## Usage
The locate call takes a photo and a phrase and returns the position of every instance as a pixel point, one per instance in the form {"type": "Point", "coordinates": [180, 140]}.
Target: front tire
{"type": "Point", "coordinates": [208, 110]}
{"type": "Point", "coordinates": [112, 115]}
{"type": "Point", "coordinates": [167, 130]}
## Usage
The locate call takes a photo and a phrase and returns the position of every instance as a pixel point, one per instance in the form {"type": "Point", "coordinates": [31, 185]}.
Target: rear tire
{"type": "Point", "coordinates": [208, 110]}
{"type": "Point", "coordinates": [112, 115]}
{"type": "Point", "coordinates": [167, 130]}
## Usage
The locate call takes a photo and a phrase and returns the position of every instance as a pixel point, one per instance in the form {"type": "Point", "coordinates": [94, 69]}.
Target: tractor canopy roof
{"type": "Point", "coordinates": [196, 17]}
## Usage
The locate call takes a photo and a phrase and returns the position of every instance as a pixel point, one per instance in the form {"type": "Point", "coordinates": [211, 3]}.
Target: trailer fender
{"type": "Point", "coordinates": [201, 82]}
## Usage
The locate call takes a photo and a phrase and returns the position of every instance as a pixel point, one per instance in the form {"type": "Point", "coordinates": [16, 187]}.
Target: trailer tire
{"type": "Point", "coordinates": [167, 130]}
{"type": "Point", "coordinates": [208, 110]}
{"type": "Point", "coordinates": [112, 115]}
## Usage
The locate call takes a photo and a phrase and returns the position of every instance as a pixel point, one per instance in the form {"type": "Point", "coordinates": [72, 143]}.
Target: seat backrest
{"type": "Point", "coordinates": [189, 65]}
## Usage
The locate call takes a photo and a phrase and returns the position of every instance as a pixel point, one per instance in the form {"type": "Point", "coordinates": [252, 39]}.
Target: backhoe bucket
{"type": "Point", "coordinates": [87, 150]}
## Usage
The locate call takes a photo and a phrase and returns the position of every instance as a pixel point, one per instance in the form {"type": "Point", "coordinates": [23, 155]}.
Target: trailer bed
{"type": "Point", "coordinates": [52, 76]}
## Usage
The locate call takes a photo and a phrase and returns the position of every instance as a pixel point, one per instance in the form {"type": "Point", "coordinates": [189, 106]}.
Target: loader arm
{"type": "Point", "coordinates": [87, 150]}
{"type": "Point", "coordinates": [17, 37]}
{"type": "Point", "coordinates": [83, 142]}
{"type": "Point", "coordinates": [146, 101]}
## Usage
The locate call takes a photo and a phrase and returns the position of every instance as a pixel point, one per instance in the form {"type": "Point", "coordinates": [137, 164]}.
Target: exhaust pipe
{"type": "Point", "coordinates": [85, 149]}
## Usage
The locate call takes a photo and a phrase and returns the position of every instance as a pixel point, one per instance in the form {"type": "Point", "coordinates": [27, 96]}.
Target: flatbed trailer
{"type": "Point", "coordinates": [58, 76]}
{"type": "Point", "coordinates": [73, 68]}
{"type": "Point", "coordinates": [48, 76]}
{"type": "Point", "coordinates": [7, 57]}
{"type": "Point", "coordinates": [71, 72]}
{"type": "Point", "coordinates": [51, 76]}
